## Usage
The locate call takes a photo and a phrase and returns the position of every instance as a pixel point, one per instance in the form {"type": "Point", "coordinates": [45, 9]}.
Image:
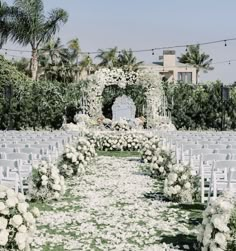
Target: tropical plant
{"type": "Point", "coordinates": [29, 26]}
{"type": "Point", "coordinates": [74, 50]}
{"type": "Point", "coordinates": [128, 61]}
{"type": "Point", "coordinates": [197, 59]}
{"type": "Point", "coordinates": [108, 58]}
{"type": "Point", "coordinates": [86, 66]}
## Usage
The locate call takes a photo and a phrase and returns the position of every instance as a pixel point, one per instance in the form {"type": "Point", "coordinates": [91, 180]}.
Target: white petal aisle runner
{"type": "Point", "coordinates": [105, 210]}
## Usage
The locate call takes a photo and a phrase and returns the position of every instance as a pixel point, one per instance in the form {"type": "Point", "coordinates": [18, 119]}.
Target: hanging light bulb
{"type": "Point", "coordinates": [186, 48]}
{"type": "Point", "coordinates": [225, 43]}
{"type": "Point", "coordinates": [229, 62]}
{"type": "Point", "coordinates": [153, 52]}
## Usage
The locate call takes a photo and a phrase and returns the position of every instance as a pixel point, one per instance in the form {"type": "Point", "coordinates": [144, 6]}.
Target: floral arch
{"type": "Point", "coordinates": [155, 97]}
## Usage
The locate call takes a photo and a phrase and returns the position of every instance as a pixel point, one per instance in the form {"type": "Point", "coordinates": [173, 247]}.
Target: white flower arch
{"type": "Point", "coordinates": [105, 77]}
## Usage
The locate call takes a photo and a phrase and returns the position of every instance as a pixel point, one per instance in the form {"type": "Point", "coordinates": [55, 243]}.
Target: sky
{"type": "Point", "coordinates": [139, 24]}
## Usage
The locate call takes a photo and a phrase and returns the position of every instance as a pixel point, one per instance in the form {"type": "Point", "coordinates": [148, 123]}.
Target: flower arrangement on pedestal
{"type": "Point", "coordinates": [218, 228]}
{"type": "Point", "coordinates": [76, 158]}
{"type": "Point", "coordinates": [17, 221]}
{"type": "Point", "coordinates": [45, 182]}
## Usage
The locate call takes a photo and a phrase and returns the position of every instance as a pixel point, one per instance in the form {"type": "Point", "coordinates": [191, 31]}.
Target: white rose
{"type": "Point", "coordinates": [29, 217]}
{"type": "Point", "coordinates": [3, 223]}
{"type": "Point", "coordinates": [56, 187]}
{"type": "Point", "coordinates": [44, 182]}
{"type": "Point", "coordinates": [220, 239]}
{"type": "Point", "coordinates": [11, 202]}
{"type": "Point", "coordinates": [35, 211]}
{"type": "Point", "coordinates": [44, 177]}
{"type": "Point", "coordinates": [20, 239]}
{"type": "Point", "coordinates": [10, 193]}
{"type": "Point", "coordinates": [187, 185]}
{"type": "Point", "coordinates": [22, 207]}
{"type": "Point", "coordinates": [3, 237]}
{"type": "Point", "coordinates": [43, 170]}
{"type": "Point", "coordinates": [22, 229]}
{"type": "Point", "coordinates": [16, 220]}
{"type": "Point", "coordinates": [21, 197]}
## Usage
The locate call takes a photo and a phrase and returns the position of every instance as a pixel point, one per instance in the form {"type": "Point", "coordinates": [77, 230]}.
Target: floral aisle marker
{"type": "Point", "coordinates": [46, 183]}
{"type": "Point", "coordinates": [179, 184]}
{"type": "Point", "coordinates": [76, 158]}
{"type": "Point", "coordinates": [17, 222]}
{"type": "Point", "coordinates": [215, 233]}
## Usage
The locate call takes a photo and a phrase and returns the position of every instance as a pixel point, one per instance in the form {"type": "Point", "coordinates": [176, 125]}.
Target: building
{"type": "Point", "coordinates": [173, 71]}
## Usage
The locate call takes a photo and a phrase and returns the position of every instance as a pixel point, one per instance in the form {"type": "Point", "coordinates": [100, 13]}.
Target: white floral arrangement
{"type": "Point", "coordinates": [81, 118]}
{"type": "Point", "coordinates": [117, 141]}
{"type": "Point", "coordinates": [76, 158]}
{"type": "Point", "coordinates": [179, 184]}
{"type": "Point", "coordinates": [215, 233]}
{"type": "Point", "coordinates": [17, 221]}
{"type": "Point", "coordinates": [121, 125]}
{"type": "Point", "coordinates": [159, 158]}
{"type": "Point", "coordinates": [45, 182]}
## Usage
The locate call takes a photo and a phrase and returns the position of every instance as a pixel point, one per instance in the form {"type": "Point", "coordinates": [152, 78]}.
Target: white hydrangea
{"type": "Point", "coordinates": [15, 229]}
{"type": "Point", "coordinates": [45, 182]}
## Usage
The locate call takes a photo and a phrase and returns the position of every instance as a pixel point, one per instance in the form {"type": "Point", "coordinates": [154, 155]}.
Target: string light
{"type": "Point", "coordinates": [141, 50]}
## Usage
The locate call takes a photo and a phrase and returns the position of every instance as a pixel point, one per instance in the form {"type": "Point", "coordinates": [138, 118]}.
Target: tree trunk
{"type": "Point", "coordinates": [34, 64]}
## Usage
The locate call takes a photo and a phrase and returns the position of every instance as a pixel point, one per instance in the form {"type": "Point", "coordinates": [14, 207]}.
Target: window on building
{"type": "Point", "coordinates": [185, 77]}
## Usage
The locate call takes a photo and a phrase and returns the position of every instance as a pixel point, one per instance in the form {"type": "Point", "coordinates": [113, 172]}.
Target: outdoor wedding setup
{"type": "Point", "coordinates": [86, 191]}
{"type": "Point", "coordinates": [100, 151]}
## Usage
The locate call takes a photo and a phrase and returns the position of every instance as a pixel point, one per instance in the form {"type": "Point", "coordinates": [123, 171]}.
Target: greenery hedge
{"type": "Point", "coordinates": [196, 107]}
{"type": "Point", "coordinates": [28, 104]}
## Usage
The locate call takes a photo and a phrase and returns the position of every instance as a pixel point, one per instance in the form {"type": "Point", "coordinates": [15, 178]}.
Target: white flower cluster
{"type": "Point", "coordinates": [160, 160]}
{"type": "Point", "coordinates": [17, 222]}
{"type": "Point", "coordinates": [46, 182]}
{"type": "Point", "coordinates": [178, 186]}
{"type": "Point", "coordinates": [121, 125]}
{"type": "Point", "coordinates": [214, 233]}
{"type": "Point", "coordinates": [118, 141]}
{"type": "Point", "coordinates": [81, 118]}
{"type": "Point", "coordinates": [76, 158]}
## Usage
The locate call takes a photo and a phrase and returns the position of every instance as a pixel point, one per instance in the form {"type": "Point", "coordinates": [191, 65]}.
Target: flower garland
{"type": "Point", "coordinates": [215, 233]}
{"type": "Point", "coordinates": [45, 182]}
{"type": "Point", "coordinates": [121, 125]}
{"type": "Point", "coordinates": [76, 158]}
{"type": "Point", "coordinates": [17, 222]}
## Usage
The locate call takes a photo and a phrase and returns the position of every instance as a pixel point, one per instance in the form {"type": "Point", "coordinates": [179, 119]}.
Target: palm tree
{"type": "Point", "coordinates": [128, 61]}
{"type": "Point", "coordinates": [108, 58]}
{"type": "Point", "coordinates": [194, 57]}
{"type": "Point", "coordinates": [5, 14]}
{"type": "Point", "coordinates": [30, 26]}
{"type": "Point", "coordinates": [86, 66]}
{"type": "Point", "coordinates": [74, 48]}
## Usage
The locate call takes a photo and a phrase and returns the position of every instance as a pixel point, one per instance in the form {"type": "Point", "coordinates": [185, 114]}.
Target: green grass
{"type": "Point", "coordinates": [119, 154]}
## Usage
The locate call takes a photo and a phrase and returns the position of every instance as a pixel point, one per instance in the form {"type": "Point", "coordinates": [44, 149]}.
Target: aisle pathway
{"type": "Point", "coordinates": [106, 210]}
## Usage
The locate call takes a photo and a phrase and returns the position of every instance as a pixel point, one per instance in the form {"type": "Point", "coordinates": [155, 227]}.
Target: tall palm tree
{"type": "Point", "coordinates": [194, 57]}
{"type": "Point", "coordinates": [86, 66]}
{"type": "Point", "coordinates": [6, 12]}
{"type": "Point", "coordinates": [74, 48]}
{"type": "Point", "coordinates": [108, 58]}
{"type": "Point", "coordinates": [30, 26]}
{"type": "Point", "coordinates": [128, 61]}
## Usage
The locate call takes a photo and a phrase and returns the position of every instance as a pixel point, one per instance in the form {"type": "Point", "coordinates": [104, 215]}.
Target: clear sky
{"type": "Point", "coordinates": [140, 24]}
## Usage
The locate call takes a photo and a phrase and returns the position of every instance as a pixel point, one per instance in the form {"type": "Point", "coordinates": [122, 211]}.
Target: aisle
{"type": "Point", "coordinates": [106, 210]}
